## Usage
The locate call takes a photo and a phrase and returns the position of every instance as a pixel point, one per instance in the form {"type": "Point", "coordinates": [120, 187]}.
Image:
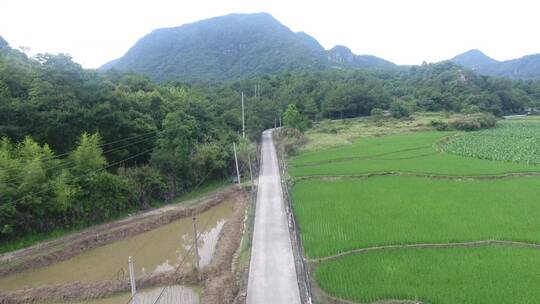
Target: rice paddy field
{"type": "Point", "coordinates": [426, 216]}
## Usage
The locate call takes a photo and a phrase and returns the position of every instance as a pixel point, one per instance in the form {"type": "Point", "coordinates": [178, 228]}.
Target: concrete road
{"type": "Point", "coordinates": [272, 273]}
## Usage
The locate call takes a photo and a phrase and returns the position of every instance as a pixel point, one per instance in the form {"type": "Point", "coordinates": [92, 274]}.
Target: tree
{"type": "Point", "coordinates": [293, 119]}
{"type": "Point", "coordinates": [399, 109]}
{"type": "Point", "coordinates": [377, 115]}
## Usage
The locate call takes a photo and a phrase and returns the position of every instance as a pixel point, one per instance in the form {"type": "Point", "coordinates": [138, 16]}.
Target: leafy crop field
{"type": "Point", "coordinates": [514, 141]}
{"type": "Point", "coordinates": [340, 215]}
{"type": "Point", "coordinates": [410, 152]}
{"type": "Point", "coordinates": [433, 188]}
{"type": "Point", "coordinates": [476, 275]}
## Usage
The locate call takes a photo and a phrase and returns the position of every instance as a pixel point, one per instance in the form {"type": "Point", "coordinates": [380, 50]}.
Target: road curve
{"type": "Point", "coordinates": [272, 272]}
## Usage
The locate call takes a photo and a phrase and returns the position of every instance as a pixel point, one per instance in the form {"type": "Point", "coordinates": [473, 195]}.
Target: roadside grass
{"type": "Point", "coordinates": [34, 238]}
{"type": "Point", "coordinates": [335, 133]}
{"type": "Point", "coordinates": [411, 152]}
{"type": "Point", "coordinates": [476, 275]}
{"type": "Point", "coordinates": [341, 215]}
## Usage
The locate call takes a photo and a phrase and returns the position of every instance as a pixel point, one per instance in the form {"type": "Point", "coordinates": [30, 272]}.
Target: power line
{"type": "Point", "coordinates": [72, 162]}
{"type": "Point", "coordinates": [84, 175]}
{"type": "Point", "coordinates": [44, 158]}
{"type": "Point", "coordinates": [184, 259]}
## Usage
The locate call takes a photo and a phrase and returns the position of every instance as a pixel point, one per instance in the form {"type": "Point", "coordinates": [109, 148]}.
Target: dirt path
{"type": "Point", "coordinates": [272, 274]}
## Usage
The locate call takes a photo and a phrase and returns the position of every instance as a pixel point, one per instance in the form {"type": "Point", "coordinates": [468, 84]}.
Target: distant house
{"type": "Point", "coordinates": [532, 111]}
{"type": "Point", "coordinates": [386, 113]}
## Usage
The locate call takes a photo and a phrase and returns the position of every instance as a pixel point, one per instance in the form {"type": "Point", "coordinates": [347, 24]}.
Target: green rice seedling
{"type": "Point", "coordinates": [342, 215]}
{"type": "Point", "coordinates": [475, 275]}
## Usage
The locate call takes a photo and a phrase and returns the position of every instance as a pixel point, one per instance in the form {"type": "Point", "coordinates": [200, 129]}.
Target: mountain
{"type": "Point", "coordinates": [3, 43]}
{"type": "Point", "coordinates": [230, 47]}
{"type": "Point", "coordinates": [342, 56]}
{"type": "Point", "coordinates": [527, 67]}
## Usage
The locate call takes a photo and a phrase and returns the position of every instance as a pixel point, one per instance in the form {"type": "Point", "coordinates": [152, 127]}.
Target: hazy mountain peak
{"type": "Point", "coordinates": [230, 47]}
{"type": "Point", "coordinates": [527, 67]}
{"type": "Point", "coordinates": [3, 42]}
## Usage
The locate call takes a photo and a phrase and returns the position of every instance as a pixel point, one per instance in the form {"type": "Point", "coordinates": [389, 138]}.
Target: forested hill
{"type": "Point", "coordinates": [232, 47]}
{"type": "Point", "coordinates": [527, 67]}
{"type": "Point", "coordinates": [79, 146]}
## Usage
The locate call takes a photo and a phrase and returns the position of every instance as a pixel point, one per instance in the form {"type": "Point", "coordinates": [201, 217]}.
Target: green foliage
{"type": "Point", "coordinates": [293, 119]}
{"type": "Point", "coordinates": [399, 109]}
{"type": "Point", "coordinates": [513, 141]}
{"type": "Point", "coordinates": [290, 140]}
{"type": "Point", "coordinates": [88, 156]}
{"type": "Point", "coordinates": [472, 122]}
{"type": "Point", "coordinates": [479, 275]}
{"type": "Point", "coordinates": [147, 184]}
{"type": "Point", "coordinates": [377, 114]}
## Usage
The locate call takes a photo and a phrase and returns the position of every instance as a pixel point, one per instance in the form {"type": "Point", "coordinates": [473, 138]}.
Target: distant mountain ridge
{"type": "Point", "coordinates": [527, 67]}
{"type": "Point", "coordinates": [232, 47]}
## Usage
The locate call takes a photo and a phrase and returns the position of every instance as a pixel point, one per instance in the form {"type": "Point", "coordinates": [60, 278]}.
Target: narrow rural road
{"type": "Point", "coordinates": [272, 273]}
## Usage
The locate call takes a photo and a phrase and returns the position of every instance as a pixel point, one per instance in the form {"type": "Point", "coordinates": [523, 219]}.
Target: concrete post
{"type": "Point", "coordinates": [132, 280]}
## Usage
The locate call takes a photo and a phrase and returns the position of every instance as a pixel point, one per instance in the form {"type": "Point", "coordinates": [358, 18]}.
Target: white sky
{"type": "Point", "coordinates": [403, 31]}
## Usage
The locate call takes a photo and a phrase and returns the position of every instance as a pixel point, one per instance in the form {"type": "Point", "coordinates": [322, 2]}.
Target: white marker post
{"type": "Point", "coordinates": [195, 243]}
{"type": "Point", "coordinates": [132, 280]}
{"type": "Point", "coordinates": [236, 161]}
{"type": "Point", "coordinates": [243, 120]}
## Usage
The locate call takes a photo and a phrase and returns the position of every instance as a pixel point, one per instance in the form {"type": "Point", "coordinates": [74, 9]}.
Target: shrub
{"type": "Point", "coordinates": [474, 122]}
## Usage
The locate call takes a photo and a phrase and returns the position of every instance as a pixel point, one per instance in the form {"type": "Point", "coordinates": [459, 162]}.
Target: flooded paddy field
{"type": "Point", "coordinates": [99, 274]}
{"type": "Point", "coordinates": [158, 250]}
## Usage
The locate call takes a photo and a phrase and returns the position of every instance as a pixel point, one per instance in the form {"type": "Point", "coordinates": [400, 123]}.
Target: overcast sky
{"type": "Point", "coordinates": [405, 32]}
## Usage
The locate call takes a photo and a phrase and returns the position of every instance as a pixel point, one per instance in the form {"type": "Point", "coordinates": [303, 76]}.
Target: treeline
{"type": "Point", "coordinates": [80, 146]}
{"type": "Point", "coordinates": [430, 87]}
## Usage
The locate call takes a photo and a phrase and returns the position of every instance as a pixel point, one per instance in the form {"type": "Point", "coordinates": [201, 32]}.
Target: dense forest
{"type": "Point", "coordinates": [80, 146]}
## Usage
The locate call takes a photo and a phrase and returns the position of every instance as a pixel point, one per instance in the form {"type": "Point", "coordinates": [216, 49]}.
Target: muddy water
{"type": "Point", "coordinates": [172, 295]}
{"type": "Point", "coordinates": [158, 250]}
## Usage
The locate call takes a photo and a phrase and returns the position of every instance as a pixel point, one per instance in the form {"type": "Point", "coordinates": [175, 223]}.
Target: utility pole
{"type": "Point", "coordinates": [280, 121]}
{"type": "Point", "coordinates": [251, 174]}
{"type": "Point", "coordinates": [236, 161]}
{"type": "Point", "coordinates": [195, 243]}
{"type": "Point", "coordinates": [243, 120]}
{"type": "Point", "coordinates": [275, 123]}
{"type": "Point", "coordinates": [132, 280]}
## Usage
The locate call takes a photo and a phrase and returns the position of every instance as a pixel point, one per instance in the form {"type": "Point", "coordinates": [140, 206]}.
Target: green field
{"type": "Point", "coordinates": [514, 141]}
{"type": "Point", "coordinates": [486, 274]}
{"type": "Point", "coordinates": [440, 191]}
{"type": "Point", "coordinates": [410, 152]}
{"type": "Point", "coordinates": [340, 215]}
